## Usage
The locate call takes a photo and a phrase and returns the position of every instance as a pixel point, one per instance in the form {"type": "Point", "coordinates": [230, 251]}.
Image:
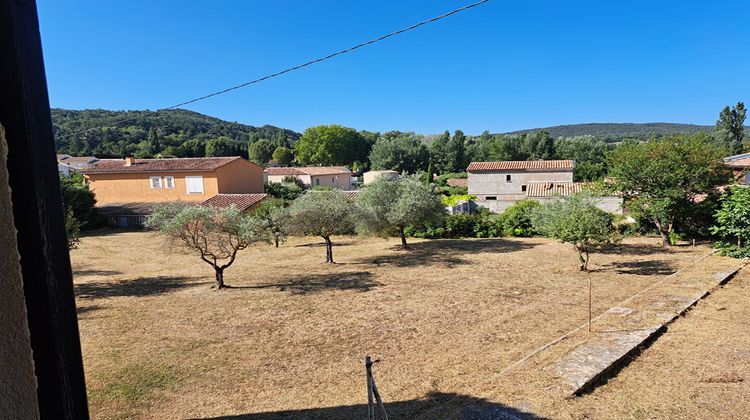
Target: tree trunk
{"type": "Point", "coordinates": [219, 277]}
{"type": "Point", "coordinates": [276, 241]}
{"type": "Point", "coordinates": [404, 245]}
{"type": "Point", "coordinates": [582, 262]}
{"type": "Point", "coordinates": [329, 250]}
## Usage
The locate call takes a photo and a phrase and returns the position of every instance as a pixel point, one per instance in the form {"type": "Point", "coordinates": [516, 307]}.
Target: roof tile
{"type": "Point", "coordinates": [242, 201]}
{"type": "Point", "coordinates": [116, 166]}
{"type": "Point", "coordinates": [521, 165]}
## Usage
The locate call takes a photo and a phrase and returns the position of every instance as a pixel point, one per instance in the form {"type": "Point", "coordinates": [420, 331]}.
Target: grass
{"type": "Point", "coordinates": [290, 337]}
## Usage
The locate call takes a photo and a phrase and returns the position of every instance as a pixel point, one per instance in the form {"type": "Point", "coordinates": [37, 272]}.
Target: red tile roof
{"type": "Point", "coordinates": [552, 189]}
{"type": "Point", "coordinates": [309, 170]}
{"type": "Point", "coordinates": [457, 182]}
{"type": "Point", "coordinates": [351, 195]}
{"type": "Point", "coordinates": [242, 201]}
{"type": "Point", "coordinates": [521, 165]}
{"type": "Point", "coordinates": [117, 166]}
{"type": "Point", "coordinates": [739, 163]}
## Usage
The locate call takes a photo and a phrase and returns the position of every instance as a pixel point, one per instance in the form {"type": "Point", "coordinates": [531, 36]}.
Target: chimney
{"type": "Point", "coordinates": [129, 160]}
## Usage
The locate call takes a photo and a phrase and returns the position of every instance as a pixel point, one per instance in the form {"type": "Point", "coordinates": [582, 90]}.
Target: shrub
{"type": "Point", "coordinates": [516, 220]}
{"type": "Point", "coordinates": [284, 190]}
{"type": "Point", "coordinates": [733, 222]}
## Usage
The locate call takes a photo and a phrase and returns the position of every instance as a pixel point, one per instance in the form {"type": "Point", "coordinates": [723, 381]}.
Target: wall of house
{"type": "Point", "coordinates": [494, 184]}
{"type": "Point", "coordinates": [371, 176]}
{"type": "Point", "coordinates": [136, 187]}
{"type": "Point", "coordinates": [340, 181]}
{"type": "Point", "coordinates": [240, 177]}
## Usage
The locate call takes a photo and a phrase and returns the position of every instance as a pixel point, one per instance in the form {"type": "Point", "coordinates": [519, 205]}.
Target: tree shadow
{"type": "Point", "coordinates": [322, 244]}
{"type": "Point", "coordinates": [315, 283]}
{"type": "Point", "coordinates": [138, 287]}
{"type": "Point", "coordinates": [446, 252]}
{"type": "Point", "coordinates": [82, 310]}
{"type": "Point", "coordinates": [81, 273]}
{"type": "Point", "coordinates": [456, 406]}
{"type": "Point", "coordinates": [633, 249]}
{"type": "Point", "coordinates": [643, 268]}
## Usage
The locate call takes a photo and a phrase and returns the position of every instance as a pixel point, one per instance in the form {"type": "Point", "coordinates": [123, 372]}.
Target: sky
{"type": "Point", "coordinates": [502, 66]}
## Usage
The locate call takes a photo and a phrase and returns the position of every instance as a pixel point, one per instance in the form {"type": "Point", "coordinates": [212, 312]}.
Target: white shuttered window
{"type": "Point", "coordinates": [194, 184]}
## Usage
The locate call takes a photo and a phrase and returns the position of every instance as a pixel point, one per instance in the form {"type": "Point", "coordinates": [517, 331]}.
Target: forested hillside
{"type": "Point", "coordinates": [176, 132]}
{"type": "Point", "coordinates": [619, 131]}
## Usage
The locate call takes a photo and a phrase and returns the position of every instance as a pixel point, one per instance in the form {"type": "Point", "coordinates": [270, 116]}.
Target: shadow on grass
{"type": "Point", "coordinates": [456, 406]}
{"type": "Point", "coordinates": [634, 249]}
{"type": "Point", "coordinates": [314, 283]}
{"type": "Point", "coordinates": [83, 310]}
{"type": "Point", "coordinates": [643, 268]}
{"type": "Point", "coordinates": [447, 252]}
{"type": "Point", "coordinates": [138, 287]}
{"type": "Point", "coordinates": [322, 244]}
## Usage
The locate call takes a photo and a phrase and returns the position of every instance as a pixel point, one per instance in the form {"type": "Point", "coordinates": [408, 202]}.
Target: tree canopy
{"type": "Point", "coordinates": [733, 222]}
{"type": "Point", "coordinates": [662, 178]}
{"type": "Point", "coordinates": [324, 214]}
{"type": "Point", "coordinates": [575, 220]}
{"type": "Point", "coordinates": [388, 207]}
{"type": "Point", "coordinates": [331, 145]}
{"type": "Point", "coordinates": [216, 235]}
{"type": "Point", "coordinates": [402, 152]}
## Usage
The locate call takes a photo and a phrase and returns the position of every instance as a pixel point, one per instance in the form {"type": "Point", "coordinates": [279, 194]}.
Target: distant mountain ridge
{"type": "Point", "coordinates": [619, 131]}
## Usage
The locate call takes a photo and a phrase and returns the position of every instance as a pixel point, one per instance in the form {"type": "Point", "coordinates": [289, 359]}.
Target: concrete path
{"type": "Point", "coordinates": [622, 330]}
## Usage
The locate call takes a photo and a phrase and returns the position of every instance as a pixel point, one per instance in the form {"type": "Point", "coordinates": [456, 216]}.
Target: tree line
{"type": "Point", "coordinates": [181, 133]}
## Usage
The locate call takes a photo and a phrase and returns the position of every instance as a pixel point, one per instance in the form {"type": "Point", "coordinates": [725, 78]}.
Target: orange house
{"type": "Point", "coordinates": [129, 180]}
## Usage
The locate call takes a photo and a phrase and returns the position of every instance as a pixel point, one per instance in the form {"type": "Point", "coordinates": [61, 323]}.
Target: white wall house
{"type": "Point", "coordinates": [68, 165]}
{"type": "Point", "coordinates": [370, 176]}
{"type": "Point", "coordinates": [312, 176]}
{"type": "Point", "coordinates": [499, 185]}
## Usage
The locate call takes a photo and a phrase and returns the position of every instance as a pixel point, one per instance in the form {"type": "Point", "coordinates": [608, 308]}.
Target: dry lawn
{"type": "Point", "coordinates": [443, 318]}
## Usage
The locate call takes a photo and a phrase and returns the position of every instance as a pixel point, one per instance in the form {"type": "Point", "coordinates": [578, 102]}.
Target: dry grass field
{"type": "Point", "coordinates": [289, 339]}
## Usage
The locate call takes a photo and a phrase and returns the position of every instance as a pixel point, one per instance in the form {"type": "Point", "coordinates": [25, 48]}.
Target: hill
{"type": "Point", "coordinates": [619, 131]}
{"type": "Point", "coordinates": [175, 132]}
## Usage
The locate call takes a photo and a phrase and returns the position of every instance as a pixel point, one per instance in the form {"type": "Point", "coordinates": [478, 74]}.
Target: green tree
{"type": "Point", "coordinates": [261, 151]}
{"type": "Point", "coordinates": [441, 155]}
{"type": "Point", "coordinates": [79, 200]}
{"type": "Point", "coordinates": [72, 229]}
{"type": "Point", "coordinates": [733, 222]}
{"type": "Point", "coordinates": [216, 235]}
{"type": "Point", "coordinates": [430, 175]}
{"type": "Point", "coordinates": [575, 220]}
{"type": "Point", "coordinates": [730, 128]}
{"type": "Point", "coordinates": [324, 214]}
{"type": "Point", "coordinates": [588, 152]}
{"type": "Point", "coordinates": [387, 207]}
{"type": "Point", "coordinates": [283, 156]}
{"type": "Point", "coordinates": [224, 146]}
{"type": "Point", "coordinates": [330, 145]}
{"type": "Point", "coordinates": [402, 152]}
{"type": "Point", "coordinates": [661, 179]}
{"type": "Point", "coordinates": [276, 217]}
{"type": "Point", "coordinates": [154, 145]}
{"type": "Point", "coordinates": [458, 145]}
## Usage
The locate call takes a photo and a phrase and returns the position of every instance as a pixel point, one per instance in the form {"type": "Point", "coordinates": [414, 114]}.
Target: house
{"type": "Point", "coordinates": [544, 192]}
{"type": "Point", "coordinates": [457, 182]}
{"type": "Point", "coordinates": [132, 180]}
{"type": "Point", "coordinates": [370, 176]}
{"type": "Point", "coordinates": [499, 185]}
{"type": "Point", "coordinates": [311, 176]}
{"type": "Point", "coordinates": [740, 166]}
{"type": "Point", "coordinates": [67, 165]}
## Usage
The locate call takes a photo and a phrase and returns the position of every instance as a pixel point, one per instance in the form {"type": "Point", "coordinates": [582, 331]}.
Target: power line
{"type": "Point", "coordinates": [300, 66]}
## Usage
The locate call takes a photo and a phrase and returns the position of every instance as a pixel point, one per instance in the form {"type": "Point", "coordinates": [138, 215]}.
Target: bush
{"type": "Point", "coordinates": [283, 190]}
{"type": "Point", "coordinates": [481, 224]}
{"type": "Point", "coordinates": [516, 220]}
{"type": "Point", "coordinates": [79, 200]}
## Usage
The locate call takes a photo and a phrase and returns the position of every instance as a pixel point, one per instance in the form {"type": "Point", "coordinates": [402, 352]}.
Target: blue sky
{"type": "Point", "coordinates": [503, 66]}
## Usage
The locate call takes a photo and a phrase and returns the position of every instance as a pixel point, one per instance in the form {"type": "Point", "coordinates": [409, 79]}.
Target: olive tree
{"type": "Point", "coordinates": [387, 207]}
{"type": "Point", "coordinates": [215, 234]}
{"type": "Point", "coordinates": [575, 220]}
{"type": "Point", "coordinates": [321, 213]}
